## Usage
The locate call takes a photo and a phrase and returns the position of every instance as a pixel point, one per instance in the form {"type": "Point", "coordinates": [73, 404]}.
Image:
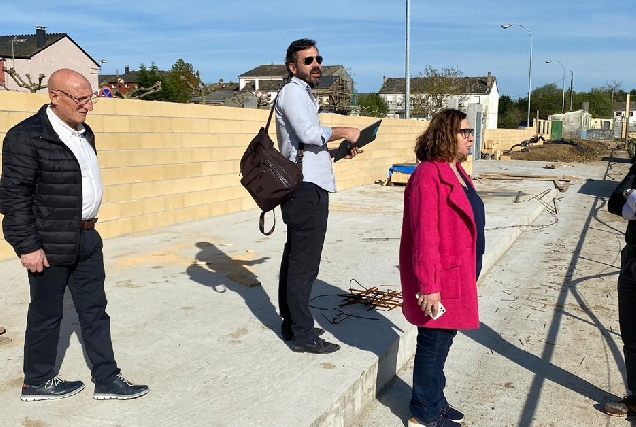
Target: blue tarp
{"type": "Point", "coordinates": [404, 168]}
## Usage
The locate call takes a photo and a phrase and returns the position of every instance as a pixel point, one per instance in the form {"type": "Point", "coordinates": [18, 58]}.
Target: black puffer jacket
{"type": "Point", "coordinates": [41, 191]}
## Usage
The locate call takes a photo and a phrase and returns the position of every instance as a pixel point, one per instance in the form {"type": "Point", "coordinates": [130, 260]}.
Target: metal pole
{"type": "Point", "coordinates": [12, 52]}
{"type": "Point", "coordinates": [562, 83]}
{"type": "Point", "coordinates": [571, 84]}
{"type": "Point", "coordinates": [407, 71]}
{"type": "Point", "coordinates": [529, 76]}
{"type": "Point", "coordinates": [505, 27]}
{"type": "Point", "coordinates": [563, 91]}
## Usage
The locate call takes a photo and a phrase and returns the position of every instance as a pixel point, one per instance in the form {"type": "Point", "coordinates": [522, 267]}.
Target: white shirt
{"type": "Point", "coordinates": [92, 190]}
{"type": "Point", "coordinates": [297, 120]}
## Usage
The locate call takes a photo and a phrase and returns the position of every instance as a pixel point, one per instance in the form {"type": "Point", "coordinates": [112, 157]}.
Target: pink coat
{"type": "Point", "coordinates": [438, 248]}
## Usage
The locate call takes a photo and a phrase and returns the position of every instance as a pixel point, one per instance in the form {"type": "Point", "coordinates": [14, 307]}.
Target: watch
{"type": "Point", "coordinates": [627, 192]}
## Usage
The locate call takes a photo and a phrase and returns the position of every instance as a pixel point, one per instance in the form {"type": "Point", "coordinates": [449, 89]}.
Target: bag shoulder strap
{"type": "Point", "coordinates": [261, 223]}
{"type": "Point", "coordinates": [301, 145]}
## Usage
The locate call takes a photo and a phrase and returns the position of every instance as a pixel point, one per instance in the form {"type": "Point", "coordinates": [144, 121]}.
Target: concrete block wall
{"type": "Point", "coordinates": [165, 163]}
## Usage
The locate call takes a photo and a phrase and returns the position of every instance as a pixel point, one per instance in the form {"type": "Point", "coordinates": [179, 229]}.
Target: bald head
{"type": "Point", "coordinates": [71, 96]}
{"type": "Point", "coordinates": [65, 79]}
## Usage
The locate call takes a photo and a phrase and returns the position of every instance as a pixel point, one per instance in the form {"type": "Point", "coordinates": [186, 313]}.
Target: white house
{"type": "Point", "coordinates": [620, 112]}
{"type": "Point", "coordinates": [478, 90]}
{"type": "Point", "coordinates": [43, 53]}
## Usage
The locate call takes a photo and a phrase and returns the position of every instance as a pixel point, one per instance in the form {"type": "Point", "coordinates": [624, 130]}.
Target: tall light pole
{"type": "Point", "coordinates": [14, 41]}
{"type": "Point", "coordinates": [505, 27]}
{"type": "Point", "coordinates": [407, 71]}
{"type": "Point", "coordinates": [571, 84]}
{"type": "Point", "coordinates": [562, 83]}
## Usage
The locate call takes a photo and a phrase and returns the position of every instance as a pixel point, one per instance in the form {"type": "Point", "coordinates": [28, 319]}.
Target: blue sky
{"type": "Point", "coordinates": [594, 39]}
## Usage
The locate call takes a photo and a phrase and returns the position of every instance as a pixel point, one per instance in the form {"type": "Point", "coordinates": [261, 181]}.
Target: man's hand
{"type": "Point", "coordinates": [35, 261]}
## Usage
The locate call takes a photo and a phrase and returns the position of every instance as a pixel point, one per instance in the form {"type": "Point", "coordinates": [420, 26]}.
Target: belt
{"type": "Point", "coordinates": [88, 224]}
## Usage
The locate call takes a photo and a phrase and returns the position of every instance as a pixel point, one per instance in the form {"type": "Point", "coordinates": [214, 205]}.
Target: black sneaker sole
{"type": "Point", "coordinates": [108, 396]}
{"type": "Point", "coordinates": [36, 397]}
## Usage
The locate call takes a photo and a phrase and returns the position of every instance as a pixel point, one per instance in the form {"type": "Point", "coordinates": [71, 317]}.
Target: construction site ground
{"type": "Point", "coordinates": [194, 315]}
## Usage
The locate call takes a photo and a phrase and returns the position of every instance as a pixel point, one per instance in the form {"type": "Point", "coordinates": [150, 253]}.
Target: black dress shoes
{"type": "Point", "coordinates": [55, 388]}
{"type": "Point", "coordinates": [318, 346]}
{"type": "Point", "coordinates": [288, 336]}
{"type": "Point", "coordinates": [119, 388]}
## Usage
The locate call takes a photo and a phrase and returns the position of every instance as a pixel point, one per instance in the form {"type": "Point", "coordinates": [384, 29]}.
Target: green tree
{"type": "Point", "coordinates": [180, 80]}
{"type": "Point", "coordinates": [372, 105]}
{"type": "Point", "coordinates": [509, 114]}
{"type": "Point", "coordinates": [546, 99]}
{"type": "Point", "coordinates": [431, 90]}
{"type": "Point", "coordinates": [599, 99]}
{"type": "Point", "coordinates": [148, 78]}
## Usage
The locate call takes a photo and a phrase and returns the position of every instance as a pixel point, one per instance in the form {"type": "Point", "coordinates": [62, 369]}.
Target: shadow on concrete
{"type": "Point", "coordinates": [598, 188]}
{"type": "Point", "coordinates": [219, 271]}
{"type": "Point", "coordinates": [70, 326]}
{"type": "Point", "coordinates": [541, 365]}
{"type": "Point", "coordinates": [616, 160]}
{"type": "Point", "coordinates": [361, 327]}
{"type": "Point", "coordinates": [398, 399]}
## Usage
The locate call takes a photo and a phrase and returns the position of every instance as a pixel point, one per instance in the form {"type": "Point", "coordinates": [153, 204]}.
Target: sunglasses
{"type": "Point", "coordinates": [310, 60]}
{"type": "Point", "coordinates": [466, 132]}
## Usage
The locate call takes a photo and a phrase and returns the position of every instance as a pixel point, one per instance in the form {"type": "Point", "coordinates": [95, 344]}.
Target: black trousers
{"type": "Point", "coordinates": [306, 218]}
{"type": "Point", "coordinates": [85, 280]}
{"type": "Point", "coordinates": [627, 312]}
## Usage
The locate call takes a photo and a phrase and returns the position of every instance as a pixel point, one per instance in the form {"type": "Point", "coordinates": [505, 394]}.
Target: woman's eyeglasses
{"type": "Point", "coordinates": [310, 60]}
{"type": "Point", "coordinates": [466, 132]}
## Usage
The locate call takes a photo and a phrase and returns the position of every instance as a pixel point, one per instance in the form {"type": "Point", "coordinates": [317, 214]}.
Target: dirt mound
{"type": "Point", "coordinates": [565, 150]}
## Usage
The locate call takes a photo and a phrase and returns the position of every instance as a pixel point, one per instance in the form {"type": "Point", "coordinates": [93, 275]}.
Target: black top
{"type": "Point", "coordinates": [479, 214]}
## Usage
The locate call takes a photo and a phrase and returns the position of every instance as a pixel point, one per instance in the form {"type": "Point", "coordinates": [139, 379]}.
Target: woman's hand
{"type": "Point", "coordinates": [429, 303]}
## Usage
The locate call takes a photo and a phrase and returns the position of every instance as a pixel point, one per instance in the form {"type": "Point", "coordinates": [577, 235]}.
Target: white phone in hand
{"type": "Point", "coordinates": [440, 308]}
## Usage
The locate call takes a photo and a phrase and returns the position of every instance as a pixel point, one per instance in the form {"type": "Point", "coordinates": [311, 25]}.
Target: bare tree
{"type": "Point", "coordinates": [202, 89]}
{"type": "Point", "coordinates": [613, 86]}
{"type": "Point", "coordinates": [32, 86]}
{"type": "Point", "coordinates": [136, 93]}
{"type": "Point", "coordinates": [432, 89]}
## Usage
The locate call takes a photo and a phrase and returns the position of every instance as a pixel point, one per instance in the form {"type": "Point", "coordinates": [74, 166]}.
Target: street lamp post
{"type": "Point", "coordinates": [13, 42]}
{"type": "Point", "coordinates": [571, 84]}
{"type": "Point", "coordinates": [562, 83]}
{"type": "Point", "coordinates": [505, 27]}
{"type": "Point", "coordinates": [407, 71]}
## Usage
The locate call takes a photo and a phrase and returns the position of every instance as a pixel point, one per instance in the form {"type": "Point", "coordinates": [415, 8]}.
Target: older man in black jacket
{"type": "Point", "coordinates": [50, 193]}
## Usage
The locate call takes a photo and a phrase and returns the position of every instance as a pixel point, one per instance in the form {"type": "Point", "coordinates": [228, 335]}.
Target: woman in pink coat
{"type": "Point", "coordinates": [440, 259]}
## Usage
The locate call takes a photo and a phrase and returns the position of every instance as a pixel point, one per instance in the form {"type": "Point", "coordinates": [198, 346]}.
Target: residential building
{"type": "Point", "coordinates": [43, 53]}
{"type": "Point", "coordinates": [620, 112]}
{"type": "Point", "coordinates": [123, 83]}
{"type": "Point", "coordinates": [476, 90]}
{"type": "Point", "coordinates": [334, 92]}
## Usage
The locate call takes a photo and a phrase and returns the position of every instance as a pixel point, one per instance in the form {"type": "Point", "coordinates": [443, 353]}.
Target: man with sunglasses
{"type": "Point", "coordinates": [301, 136]}
{"type": "Point", "coordinates": [50, 193]}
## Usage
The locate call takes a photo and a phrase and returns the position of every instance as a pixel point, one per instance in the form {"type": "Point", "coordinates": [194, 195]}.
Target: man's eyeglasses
{"type": "Point", "coordinates": [310, 60]}
{"type": "Point", "coordinates": [80, 102]}
{"type": "Point", "coordinates": [466, 132]}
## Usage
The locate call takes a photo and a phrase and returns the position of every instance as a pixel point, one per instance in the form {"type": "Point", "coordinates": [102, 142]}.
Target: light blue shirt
{"type": "Point", "coordinates": [297, 120]}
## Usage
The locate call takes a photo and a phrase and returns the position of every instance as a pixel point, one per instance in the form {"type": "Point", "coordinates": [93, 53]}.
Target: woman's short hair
{"type": "Point", "coordinates": [439, 140]}
{"type": "Point", "coordinates": [294, 48]}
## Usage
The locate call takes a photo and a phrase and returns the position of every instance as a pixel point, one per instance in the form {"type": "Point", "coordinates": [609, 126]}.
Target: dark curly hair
{"type": "Point", "coordinates": [439, 140]}
{"type": "Point", "coordinates": [294, 48]}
